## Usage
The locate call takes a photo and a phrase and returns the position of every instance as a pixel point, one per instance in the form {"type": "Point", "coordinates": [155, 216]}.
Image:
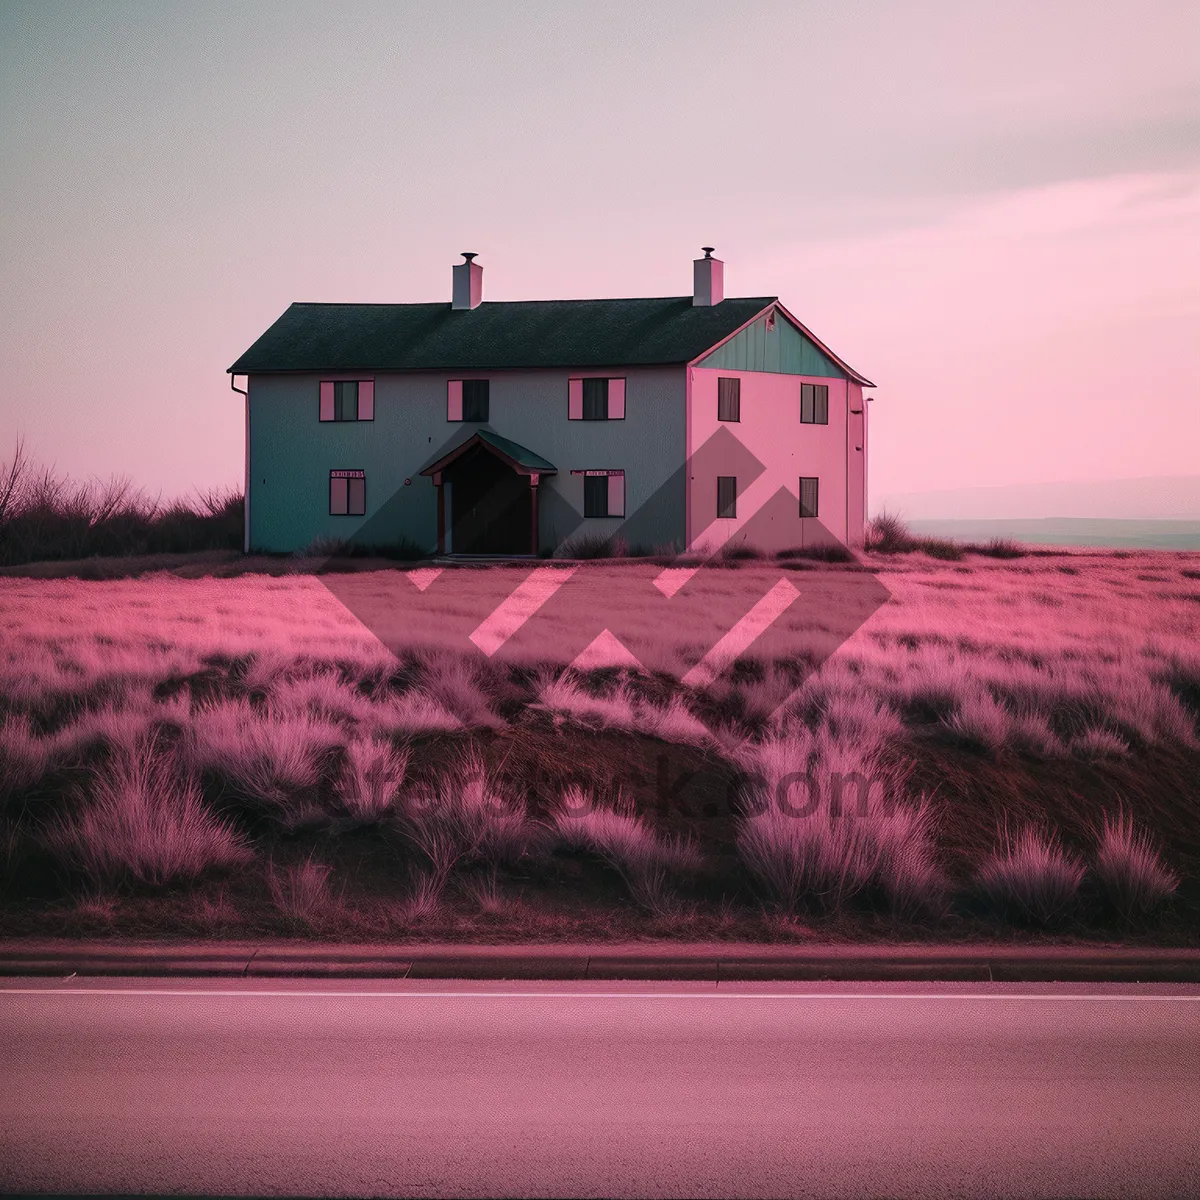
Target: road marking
{"type": "Point", "coordinates": [713, 995]}
{"type": "Point", "coordinates": [525, 600]}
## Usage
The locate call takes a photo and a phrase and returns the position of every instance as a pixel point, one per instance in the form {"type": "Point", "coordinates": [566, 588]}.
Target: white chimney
{"type": "Point", "coordinates": [708, 279]}
{"type": "Point", "coordinates": [468, 283]}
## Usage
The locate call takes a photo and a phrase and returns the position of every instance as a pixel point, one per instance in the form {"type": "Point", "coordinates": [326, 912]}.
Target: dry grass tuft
{"type": "Point", "coordinates": [464, 817]}
{"type": "Point", "coordinates": [268, 757]}
{"type": "Point", "coordinates": [1031, 877]}
{"type": "Point", "coordinates": [371, 778]}
{"type": "Point", "coordinates": [825, 822]}
{"type": "Point", "coordinates": [301, 891]}
{"type": "Point", "coordinates": [1130, 870]}
{"type": "Point", "coordinates": [145, 822]}
{"type": "Point", "coordinates": [646, 861]}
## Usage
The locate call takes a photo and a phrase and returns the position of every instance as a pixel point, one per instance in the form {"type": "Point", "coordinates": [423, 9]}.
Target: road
{"type": "Point", "coordinates": [340, 1087]}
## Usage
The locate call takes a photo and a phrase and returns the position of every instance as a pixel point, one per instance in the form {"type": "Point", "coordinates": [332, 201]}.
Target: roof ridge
{"type": "Point", "coordinates": [568, 300]}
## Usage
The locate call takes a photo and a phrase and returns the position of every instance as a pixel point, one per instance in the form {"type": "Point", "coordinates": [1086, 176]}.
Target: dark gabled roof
{"type": "Point", "coordinates": [520, 458]}
{"type": "Point", "coordinates": [524, 333]}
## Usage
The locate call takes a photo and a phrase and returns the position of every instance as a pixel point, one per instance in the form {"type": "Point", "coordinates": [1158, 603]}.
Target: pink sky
{"type": "Point", "coordinates": [994, 214]}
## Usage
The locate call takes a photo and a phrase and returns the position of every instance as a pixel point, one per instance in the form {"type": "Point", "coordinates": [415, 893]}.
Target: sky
{"type": "Point", "coordinates": [992, 211]}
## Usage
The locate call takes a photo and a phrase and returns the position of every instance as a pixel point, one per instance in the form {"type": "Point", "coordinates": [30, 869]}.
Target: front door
{"type": "Point", "coordinates": [490, 506]}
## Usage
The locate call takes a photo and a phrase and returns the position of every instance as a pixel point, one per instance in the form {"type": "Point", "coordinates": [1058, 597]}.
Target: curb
{"type": "Point", "coordinates": [711, 963]}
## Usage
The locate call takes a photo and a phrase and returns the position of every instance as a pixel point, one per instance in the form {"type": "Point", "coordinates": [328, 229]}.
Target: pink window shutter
{"type": "Point", "coordinates": [616, 399]}
{"type": "Point", "coordinates": [366, 400]}
{"type": "Point", "coordinates": [454, 400]}
{"type": "Point", "coordinates": [616, 495]}
{"type": "Point", "coordinates": [575, 400]}
{"type": "Point", "coordinates": [327, 413]}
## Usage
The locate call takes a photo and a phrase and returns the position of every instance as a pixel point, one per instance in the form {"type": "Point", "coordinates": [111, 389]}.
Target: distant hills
{"type": "Point", "coordinates": [1151, 511]}
{"type": "Point", "coordinates": [1072, 531]}
{"type": "Point", "coordinates": [1155, 497]}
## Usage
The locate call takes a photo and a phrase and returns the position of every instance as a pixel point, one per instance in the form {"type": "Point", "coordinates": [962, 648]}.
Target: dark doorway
{"type": "Point", "coordinates": [491, 506]}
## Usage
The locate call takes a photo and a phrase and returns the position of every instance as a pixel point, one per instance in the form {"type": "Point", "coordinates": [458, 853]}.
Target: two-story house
{"type": "Point", "coordinates": [513, 428]}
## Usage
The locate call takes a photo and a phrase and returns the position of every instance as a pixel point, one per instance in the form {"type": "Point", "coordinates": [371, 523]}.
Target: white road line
{"type": "Point", "coordinates": [525, 600]}
{"type": "Point", "coordinates": [768, 610]}
{"type": "Point", "coordinates": [713, 995]}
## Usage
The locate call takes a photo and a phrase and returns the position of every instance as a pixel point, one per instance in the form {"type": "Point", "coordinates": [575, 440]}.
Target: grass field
{"type": "Point", "coordinates": [1007, 747]}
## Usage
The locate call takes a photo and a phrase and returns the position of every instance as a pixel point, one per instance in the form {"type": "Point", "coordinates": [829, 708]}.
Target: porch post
{"type": "Point", "coordinates": [534, 480]}
{"type": "Point", "coordinates": [441, 518]}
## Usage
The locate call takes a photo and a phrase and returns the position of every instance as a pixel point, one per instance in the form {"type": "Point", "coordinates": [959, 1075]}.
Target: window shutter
{"type": "Point", "coordinates": [366, 400]}
{"type": "Point", "coordinates": [575, 400]}
{"type": "Point", "coordinates": [821, 405]}
{"type": "Point", "coordinates": [616, 494]}
{"type": "Point", "coordinates": [454, 400]}
{"type": "Point", "coordinates": [337, 497]}
{"type": "Point", "coordinates": [357, 497]}
{"type": "Point", "coordinates": [616, 400]}
{"type": "Point", "coordinates": [806, 403]}
{"type": "Point", "coordinates": [729, 399]}
{"type": "Point", "coordinates": [327, 413]}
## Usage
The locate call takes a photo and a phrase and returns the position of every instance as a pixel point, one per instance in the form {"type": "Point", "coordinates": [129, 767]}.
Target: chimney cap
{"type": "Point", "coordinates": [469, 254]}
{"type": "Point", "coordinates": [708, 251]}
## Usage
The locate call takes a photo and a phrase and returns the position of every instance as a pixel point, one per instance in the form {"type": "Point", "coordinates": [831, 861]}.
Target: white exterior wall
{"type": "Point", "coordinates": [770, 428]}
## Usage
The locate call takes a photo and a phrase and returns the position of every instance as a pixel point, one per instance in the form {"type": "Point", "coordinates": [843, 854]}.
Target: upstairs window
{"type": "Point", "coordinates": [814, 403]}
{"type": "Point", "coordinates": [593, 399]}
{"type": "Point", "coordinates": [808, 495]}
{"type": "Point", "coordinates": [347, 493]}
{"type": "Point", "coordinates": [347, 400]}
{"type": "Point", "coordinates": [727, 496]}
{"type": "Point", "coordinates": [729, 399]}
{"type": "Point", "coordinates": [467, 400]}
{"type": "Point", "coordinates": [603, 493]}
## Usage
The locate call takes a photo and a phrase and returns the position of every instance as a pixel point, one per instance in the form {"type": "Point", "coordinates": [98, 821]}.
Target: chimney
{"type": "Point", "coordinates": [708, 279]}
{"type": "Point", "coordinates": [468, 282]}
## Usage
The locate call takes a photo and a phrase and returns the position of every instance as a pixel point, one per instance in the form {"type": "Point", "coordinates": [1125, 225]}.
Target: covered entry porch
{"type": "Point", "coordinates": [487, 496]}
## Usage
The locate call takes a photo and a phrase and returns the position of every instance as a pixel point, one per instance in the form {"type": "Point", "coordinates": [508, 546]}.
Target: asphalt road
{"type": "Point", "coordinates": [604, 1089]}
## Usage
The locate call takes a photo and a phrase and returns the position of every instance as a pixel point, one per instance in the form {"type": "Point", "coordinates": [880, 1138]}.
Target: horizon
{"type": "Point", "coordinates": [1013, 219]}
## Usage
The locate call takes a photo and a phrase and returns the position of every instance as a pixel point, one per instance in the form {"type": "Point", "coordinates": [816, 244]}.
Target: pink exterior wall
{"type": "Point", "coordinates": [771, 430]}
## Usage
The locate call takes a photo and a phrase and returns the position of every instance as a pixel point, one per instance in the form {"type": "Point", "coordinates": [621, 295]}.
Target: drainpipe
{"type": "Point", "coordinates": [246, 488]}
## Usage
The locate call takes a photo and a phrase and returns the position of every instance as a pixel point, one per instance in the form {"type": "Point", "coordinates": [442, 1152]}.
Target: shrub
{"type": "Point", "coordinates": [145, 822]}
{"type": "Point", "coordinates": [301, 891]}
{"type": "Point", "coordinates": [833, 552]}
{"type": "Point", "coordinates": [464, 817]}
{"type": "Point", "coordinates": [44, 516]}
{"type": "Point", "coordinates": [644, 860]}
{"type": "Point", "coordinates": [1031, 877]}
{"type": "Point", "coordinates": [591, 545]}
{"type": "Point", "coordinates": [1130, 870]}
{"type": "Point", "coordinates": [888, 533]}
{"type": "Point", "coordinates": [997, 547]}
{"type": "Point", "coordinates": [371, 778]}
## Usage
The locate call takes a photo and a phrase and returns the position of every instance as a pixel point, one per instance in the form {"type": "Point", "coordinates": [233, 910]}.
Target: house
{"type": "Point", "coordinates": [517, 427]}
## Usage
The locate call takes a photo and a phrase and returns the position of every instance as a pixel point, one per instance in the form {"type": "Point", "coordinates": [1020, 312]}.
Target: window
{"type": "Point", "coordinates": [347, 400]}
{"type": "Point", "coordinates": [808, 495]}
{"type": "Point", "coordinates": [593, 399]}
{"type": "Point", "coordinates": [603, 493]}
{"type": "Point", "coordinates": [729, 399]}
{"type": "Point", "coordinates": [814, 403]}
{"type": "Point", "coordinates": [467, 399]}
{"type": "Point", "coordinates": [347, 493]}
{"type": "Point", "coordinates": [726, 495]}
